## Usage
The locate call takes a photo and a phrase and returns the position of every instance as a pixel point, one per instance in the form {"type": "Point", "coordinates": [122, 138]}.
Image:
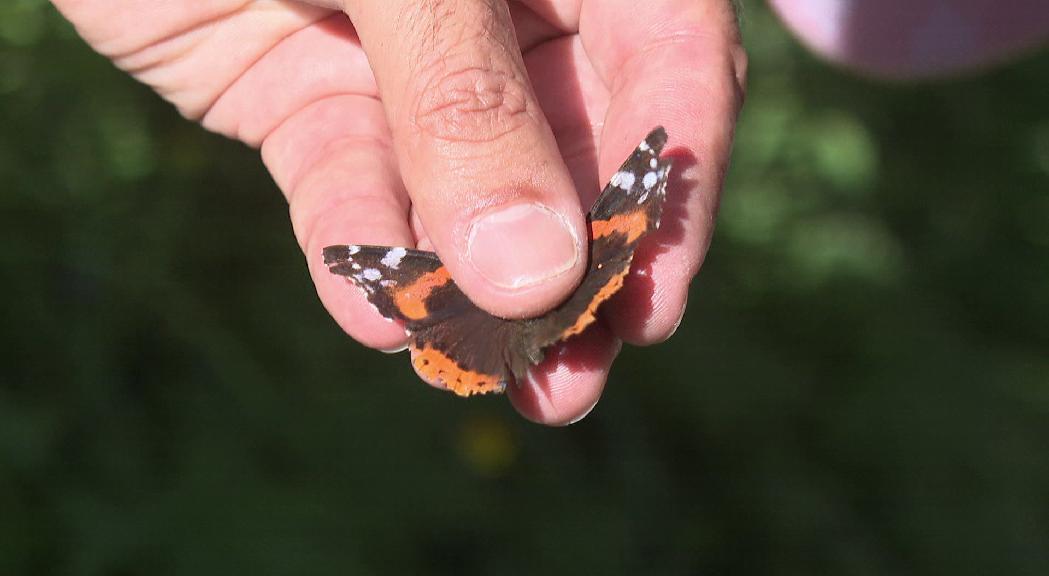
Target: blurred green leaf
{"type": "Point", "coordinates": [23, 22]}
{"type": "Point", "coordinates": [845, 245]}
{"type": "Point", "coordinates": [842, 151]}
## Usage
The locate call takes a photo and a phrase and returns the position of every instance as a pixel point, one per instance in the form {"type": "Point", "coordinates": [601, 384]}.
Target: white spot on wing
{"type": "Point", "coordinates": [653, 163]}
{"type": "Point", "coordinates": [354, 249]}
{"type": "Point", "coordinates": [392, 259]}
{"type": "Point", "coordinates": [643, 146]}
{"type": "Point", "coordinates": [642, 198]}
{"type": "Point", "coordinates": [650, 180]}
{"type": "Point", "coordinates": [626, 180]}
{"type": "Point", "coordinates": [372, 274]}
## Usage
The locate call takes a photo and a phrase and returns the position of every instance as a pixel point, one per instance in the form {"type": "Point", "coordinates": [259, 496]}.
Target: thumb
{"type": "Point", "coordinates": [476, 154]}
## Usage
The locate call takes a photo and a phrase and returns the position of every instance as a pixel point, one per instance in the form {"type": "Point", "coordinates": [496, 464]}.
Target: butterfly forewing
{"type": "Point", "coordinates": [629, 207]}
{"type": "Point", "coordinates": [403, 284]}
{"type": "Point", "coordinates": [638, 185]}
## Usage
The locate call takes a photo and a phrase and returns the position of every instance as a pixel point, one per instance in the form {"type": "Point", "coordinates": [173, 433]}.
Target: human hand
{"type": "Point", "coordinates": [412, 125]}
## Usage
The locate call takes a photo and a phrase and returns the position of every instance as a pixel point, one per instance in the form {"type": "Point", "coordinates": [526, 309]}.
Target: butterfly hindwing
{"type": "Point", "coordinates": [453, 342]}
{"type": "Point", "coordinates": [469, 353]}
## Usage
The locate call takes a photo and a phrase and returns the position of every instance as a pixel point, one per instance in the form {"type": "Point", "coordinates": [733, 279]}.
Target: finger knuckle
{"type": "Point", "coordinates": [474, 103]}
{"type": "Point", "coordinates": [471, 94]}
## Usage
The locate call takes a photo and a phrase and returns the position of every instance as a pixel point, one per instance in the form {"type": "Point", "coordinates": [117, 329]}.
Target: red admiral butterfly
{"type": "Point", "coordinates": [469, 351]}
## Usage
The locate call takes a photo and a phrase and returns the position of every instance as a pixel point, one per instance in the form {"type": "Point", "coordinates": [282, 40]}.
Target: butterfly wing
{"type": "Point", "coordinates": [452, 341]}
{"type": "Point", "coordinates": [629, 207]}
{"type": "Point", "coordinates": [472, 352]}
{"type": "Point", "coordinates": [632, 202]}
{"type": "Point", "coordinates": [399, 282]}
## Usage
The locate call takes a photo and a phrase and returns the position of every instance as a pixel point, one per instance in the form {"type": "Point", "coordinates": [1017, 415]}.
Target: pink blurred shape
{"type": "Point", "coordinates": [912, 39]}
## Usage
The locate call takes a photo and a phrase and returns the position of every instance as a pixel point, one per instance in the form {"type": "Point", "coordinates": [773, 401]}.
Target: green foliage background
{"type": "Point", "coordinates": [860, 386]}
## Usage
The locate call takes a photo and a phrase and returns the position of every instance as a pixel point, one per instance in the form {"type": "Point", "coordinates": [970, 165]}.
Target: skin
{"type": "Point", "coordinates": [403, 122]}
{"type": "Point", "coordinates": [917, 39]}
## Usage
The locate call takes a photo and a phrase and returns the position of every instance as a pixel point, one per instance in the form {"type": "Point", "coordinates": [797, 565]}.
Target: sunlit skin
{"type": "Point", "coordinates": [399, 122]}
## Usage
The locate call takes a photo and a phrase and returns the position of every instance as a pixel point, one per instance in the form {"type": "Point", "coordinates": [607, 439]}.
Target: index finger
{"type": "Point", "coordinates": [678, 63]}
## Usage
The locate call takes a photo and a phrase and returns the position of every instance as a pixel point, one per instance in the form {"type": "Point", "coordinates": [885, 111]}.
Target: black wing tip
{"type": "Point", "coordinates": [656, 140]}
{"type": "Point", "coordinates": [338, 253]}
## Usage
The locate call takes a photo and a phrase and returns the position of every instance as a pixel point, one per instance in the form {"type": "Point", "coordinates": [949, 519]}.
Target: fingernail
{"type": "Point", "coordinates": [522, 245]}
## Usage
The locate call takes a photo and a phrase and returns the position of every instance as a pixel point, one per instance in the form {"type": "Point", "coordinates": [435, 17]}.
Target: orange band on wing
{"type": "Point", "coordinates": [590, 314]}
{"type": "Point", "coordinates": [437, 368]}
{"type": "Point", "coordinates": [411, 299]}
{"type": "Point", "coordinates": [632, 225]}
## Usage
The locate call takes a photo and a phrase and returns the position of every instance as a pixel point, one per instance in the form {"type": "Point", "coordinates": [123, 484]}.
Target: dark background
{"type": "Point", "coordinates": [860, 386]}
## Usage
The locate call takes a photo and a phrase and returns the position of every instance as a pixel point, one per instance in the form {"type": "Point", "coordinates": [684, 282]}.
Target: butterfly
{"type": "Point", "coordinates": [469, 351]}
